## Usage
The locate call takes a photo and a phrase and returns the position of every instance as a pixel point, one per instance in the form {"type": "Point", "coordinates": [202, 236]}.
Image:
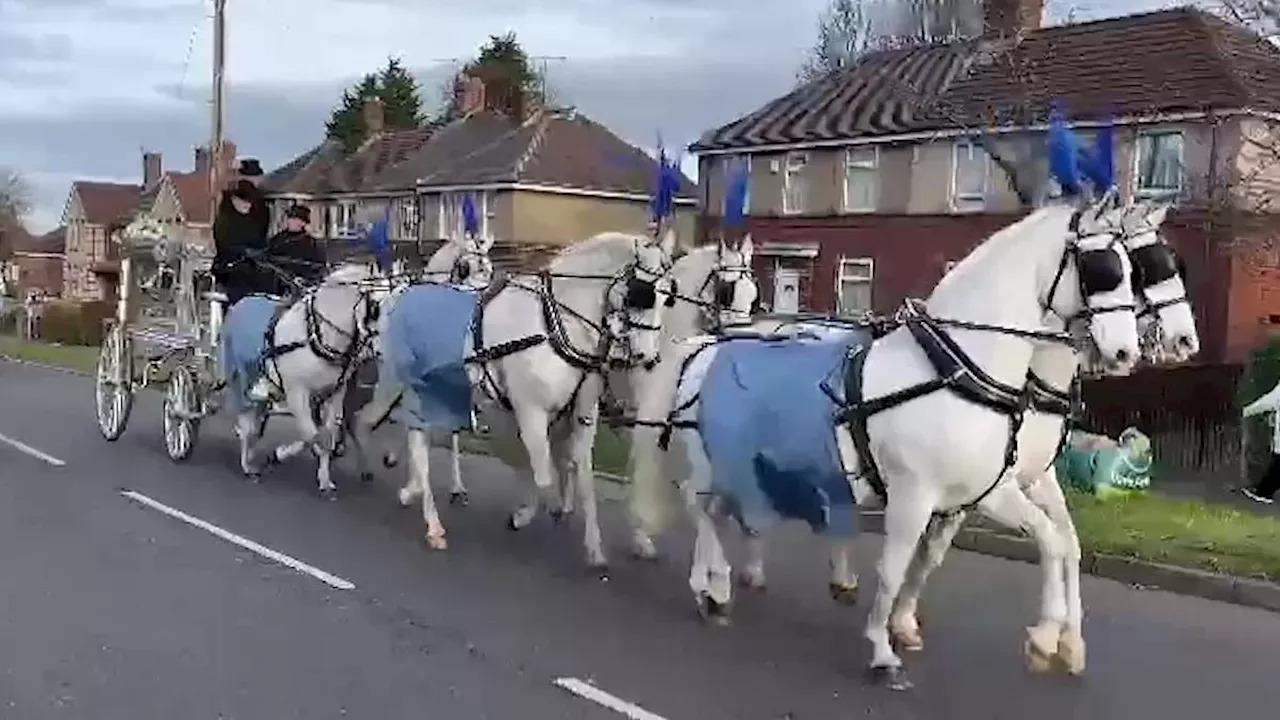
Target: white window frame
{"type": "Point", "coordinates": [342, 219]}
{"type": "Point", "coordinates": [406, 218]}
{"type": "Point", "coordinates": [968, 201]}
{"type": "Point", "coordinates": [793, 167]}
{"type": "Point", "coordinates": [866, 273]}
{"type": "Point", "coordinates": [449, 221]}
{"type": "Point", "coordinates": [865, 160]}
{"type": "Point", "coordinates": [1139, 160]}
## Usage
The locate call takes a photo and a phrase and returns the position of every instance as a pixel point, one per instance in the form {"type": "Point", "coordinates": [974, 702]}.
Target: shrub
{"type": "Point", "coordinates": [1261, 375]}
{"type": "Point", "coordinates": [73, 323]}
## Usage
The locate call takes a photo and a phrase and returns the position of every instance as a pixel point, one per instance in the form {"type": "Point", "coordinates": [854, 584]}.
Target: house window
{"type": "Point", "coordinates": [853, 286]}
{"type": "Point", "coordinates": [970, 176]}
{"type": "Point", "coordinates": [731, 165]}
{"type": "Point", "coordinates": [1159, 164]}
{"type": "Point", "coordinates": [861, 179]}
{"type": "Point", "coordinates": [452, 224]}
{"type": "Point", "coordinates": [342, 220]}
{"type": "Point", "coordinates": [407, 218]}
{"type": "Point", "coordinates": [793, 186]}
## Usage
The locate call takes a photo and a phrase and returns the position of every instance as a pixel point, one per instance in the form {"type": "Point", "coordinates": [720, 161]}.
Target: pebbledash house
{"type": "Point", "coordinates": [865, 186]}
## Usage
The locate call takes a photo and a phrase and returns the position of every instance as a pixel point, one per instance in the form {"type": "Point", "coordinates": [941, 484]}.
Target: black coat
{"type": "Point", "coordinates": [234, 233]}
{"type": "Point", "coordinates": [297, 254]}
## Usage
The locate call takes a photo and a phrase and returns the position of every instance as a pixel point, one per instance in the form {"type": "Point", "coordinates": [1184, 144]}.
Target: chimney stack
{"type": "Point", "coordinates": [375, 117]}
{"type": "Point", "coordinates": [1009, 18]}
{"type": "Point", "coordinates": [202, 164]}
{"type": "Point", "coordinates": [152, 169]}
{"type": "Point", "coordinates": [471, 93]}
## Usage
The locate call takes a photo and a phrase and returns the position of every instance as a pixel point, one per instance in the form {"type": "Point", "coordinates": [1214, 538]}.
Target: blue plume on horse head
{"type": "Point", "coordinates": [735, 198]}
{"type": "Point", "coordinates": [1098, 164]}
{"type": "Point", "coordinates": [1064, 154]}
{"type": "Point", "coordinates": [470, 219]}
{"type": "Point", "coordinates": [668, 183]}
{"type": "Point", "coordinates": [379, 241]}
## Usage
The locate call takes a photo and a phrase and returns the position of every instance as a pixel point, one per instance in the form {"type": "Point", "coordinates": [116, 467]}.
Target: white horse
{"type": "Point", "coordinates": [940, 450]}
{"type": "Point", "coordinates": [306, 350]}
{"type": "Point", "coordinates": [462, 262]}
{"type": "Point", "coordinates": [725, 297]}
{"type": "Point", "coordinates": [1167, 318]}
{"type": "Point", "coordinates": [536, 346]}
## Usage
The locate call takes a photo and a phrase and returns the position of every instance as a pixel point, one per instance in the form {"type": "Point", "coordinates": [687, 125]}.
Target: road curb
{"type": "Point", "coordinates": [44, 366]}
{"type": "Point", "coordinates": [1247, 592]}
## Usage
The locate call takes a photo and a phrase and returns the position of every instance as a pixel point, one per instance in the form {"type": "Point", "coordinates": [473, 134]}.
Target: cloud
{"type": "Point", "coordinates": [88, 83]}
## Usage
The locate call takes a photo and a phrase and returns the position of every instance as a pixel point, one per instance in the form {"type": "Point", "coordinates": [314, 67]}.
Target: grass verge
{"type": "Point", "coordinates": [1150, 526]}
{"type": "Point", "coordinates": [1182, 532]}
{"type": "Point", "coordinates": [74, 357]}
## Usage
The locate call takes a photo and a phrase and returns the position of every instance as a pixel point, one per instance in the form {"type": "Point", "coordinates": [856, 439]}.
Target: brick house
{"type": "Point", "coordinates": [37, 262]}
{"type": "Point", "coordinates": [95, 211]}
{"type": "Point", "coordinates": [866, 185]}
{"type": "Point", "coordinates": [552, 178]}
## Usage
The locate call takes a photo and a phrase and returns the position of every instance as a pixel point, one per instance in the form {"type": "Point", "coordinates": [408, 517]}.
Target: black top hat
{"type": "Point", "coordinates": [301, 212]}
{"type": "Point", "coordinates": [250, 167]}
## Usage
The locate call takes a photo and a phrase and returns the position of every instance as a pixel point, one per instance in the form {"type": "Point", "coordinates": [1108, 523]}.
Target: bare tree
{"type": "Point", "coordinates": [15, 204]}
{"type": "Point", "coordinates": [846, 31]}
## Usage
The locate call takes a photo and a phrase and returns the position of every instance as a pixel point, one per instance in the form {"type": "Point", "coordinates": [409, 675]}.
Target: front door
{"type": "Point", "coordinates": [786, 291]}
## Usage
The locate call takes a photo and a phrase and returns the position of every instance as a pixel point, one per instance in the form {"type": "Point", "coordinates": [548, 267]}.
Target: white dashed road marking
{"type": "Point", "coordinates": [244, 542]}
{"type": "Point", "coordinates": [590, 692]}
{"type": "Point", "coordinates": [25, 448]}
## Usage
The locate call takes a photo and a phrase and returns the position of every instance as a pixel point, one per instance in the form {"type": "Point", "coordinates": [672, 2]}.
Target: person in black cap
{"type": "Point", "coordinates": [295, 251]}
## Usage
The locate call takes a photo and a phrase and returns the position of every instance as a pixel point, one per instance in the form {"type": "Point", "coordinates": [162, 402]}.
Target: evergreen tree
{"type": "Point", "coordinates": [509, 79]}
{"type": "Point", "coordinates": [401, 104]}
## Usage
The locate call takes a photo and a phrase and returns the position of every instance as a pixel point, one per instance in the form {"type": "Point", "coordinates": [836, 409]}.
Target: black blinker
{"type": "Point", "coordinates": [724, 293]}
{"type": "Point", "coordinates": [641, 294]}
{"type": "Point", "coordinates": [1100, 271]}
{"type": "Point", "coordinates": [1153, 264]}
{"type": "Point", "coordinates": [461, 271]}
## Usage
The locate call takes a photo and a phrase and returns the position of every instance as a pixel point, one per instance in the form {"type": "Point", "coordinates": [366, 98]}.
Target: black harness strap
{"type": "Point", "coordinates": [956, 373]}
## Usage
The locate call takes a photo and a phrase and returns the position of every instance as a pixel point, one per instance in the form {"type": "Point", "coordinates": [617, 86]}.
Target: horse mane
{"type": "Point", "coordinates": [443, 258]}
{"type": "Point", "coordinates": [1004, 236]}
{"type": "Point", "coordinates": [616, 246]}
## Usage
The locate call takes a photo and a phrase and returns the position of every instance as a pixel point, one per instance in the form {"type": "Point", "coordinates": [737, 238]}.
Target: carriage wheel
{"type": "Point", "coordinates": [113, 393]}
{"type": "Point", "coordinates": [181, 414]}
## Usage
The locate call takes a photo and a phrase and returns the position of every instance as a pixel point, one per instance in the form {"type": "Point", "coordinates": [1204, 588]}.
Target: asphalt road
{"type": "Point", "coordinates": [111, 608]}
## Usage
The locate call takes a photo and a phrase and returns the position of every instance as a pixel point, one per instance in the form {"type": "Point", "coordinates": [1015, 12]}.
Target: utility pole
{"type": "Point", "coordinates": [216, 149]}
{"type": "Point", "coordinates": [542, 72]}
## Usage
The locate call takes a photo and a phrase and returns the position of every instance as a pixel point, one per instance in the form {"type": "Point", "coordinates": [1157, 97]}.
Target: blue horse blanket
{"type": "Point", "coordinates": [425, 347]}
{"type": "Point", "coordinates": [767, 428]}
{"type": "Point", "coordinates": [243, 345]}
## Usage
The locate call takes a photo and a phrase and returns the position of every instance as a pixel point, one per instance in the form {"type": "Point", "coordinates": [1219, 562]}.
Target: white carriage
{"type": "Point", "coordinates": [166, 326]}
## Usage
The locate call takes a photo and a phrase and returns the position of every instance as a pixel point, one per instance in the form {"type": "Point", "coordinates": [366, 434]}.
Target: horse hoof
{"type": "Point", "coordinates": [712, 612]}
{"type": "Point", "coordinates": [253, 477]}
{"type": "Point", "coordinates": [891, 677]}
{"type": "Point", "coordinates": [1071, 655]}
{"type": "Point", "coordinates": [437, 542]}
{"type": "Point", "coordinates": [366, 477]}
{"type": "Point", "coordinates": [843, 594]}
{"type": "Point", "coordinates": [558, 516]}
{"type": "Point", "coordinates": [511, 523]}
{"type": "Point", "coordinates": [459, 498]}
{"type": "Point", "coordinates": [330, 494]}
{"type": "Point", "coordinates": [1038, 661]}
{"type": "Point", "coordinates": [599, 571]}
{"type": "Point", "coordinates": [753, 583]}
{"type": "Point", "coordinates": [390, 460]}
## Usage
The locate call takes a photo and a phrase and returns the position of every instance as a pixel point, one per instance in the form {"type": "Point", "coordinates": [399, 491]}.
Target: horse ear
{"type": "Point", "coordinates": [1155, 217]}
{"type": "Point", "coordinates": [747, 247]}
{"type": "Point", "coordinates": [668, 246]}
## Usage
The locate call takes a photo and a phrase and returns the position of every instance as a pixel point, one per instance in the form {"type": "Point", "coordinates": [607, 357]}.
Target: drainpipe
{"type": "Point", "coordinates": [1219, 202]}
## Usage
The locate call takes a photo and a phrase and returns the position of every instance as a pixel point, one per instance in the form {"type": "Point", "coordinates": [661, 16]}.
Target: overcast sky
{"type": "Point", "coordinates": [86, 84]}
